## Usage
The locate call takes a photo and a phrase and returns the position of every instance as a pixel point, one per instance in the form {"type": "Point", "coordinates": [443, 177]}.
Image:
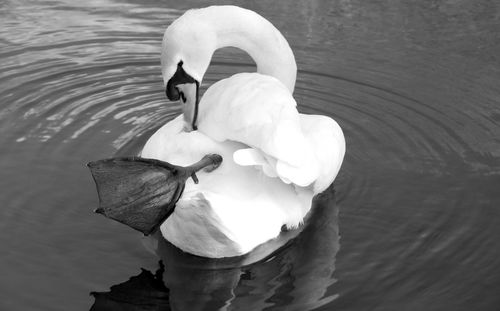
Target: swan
{"type": "Point", "coordinates": [274, 158]}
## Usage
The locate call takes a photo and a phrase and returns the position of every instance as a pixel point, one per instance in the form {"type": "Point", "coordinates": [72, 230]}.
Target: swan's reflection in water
{"type": "Point", "coordinates": [293, 271]}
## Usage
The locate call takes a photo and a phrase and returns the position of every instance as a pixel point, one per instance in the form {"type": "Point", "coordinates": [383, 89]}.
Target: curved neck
{"type": "Point", "coordinates": [250, 32]}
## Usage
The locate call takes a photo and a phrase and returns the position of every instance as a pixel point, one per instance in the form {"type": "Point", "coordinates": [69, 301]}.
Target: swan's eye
{"type": "Point", "coordinates": [172, 91]}
{"type": "Point", "coordinates": [183, 98]}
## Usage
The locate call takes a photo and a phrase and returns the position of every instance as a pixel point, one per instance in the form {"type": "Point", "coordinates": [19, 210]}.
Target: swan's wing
{"type": "Point", "coordinates": [256, 110]}
{"type": "Point", "coordinates": [260, 112]}
{"type": "Point", "coordinates": [255, 157]}
{"type": "Point", "coordinates": [328, 145]}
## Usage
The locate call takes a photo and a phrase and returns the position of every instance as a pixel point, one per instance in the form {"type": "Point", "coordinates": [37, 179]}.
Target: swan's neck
{"type": "Point", "coordinates": [248, 31]}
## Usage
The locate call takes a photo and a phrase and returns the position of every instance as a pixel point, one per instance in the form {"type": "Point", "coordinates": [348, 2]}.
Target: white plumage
{"type": "Point", "coordinates": [275, 159]}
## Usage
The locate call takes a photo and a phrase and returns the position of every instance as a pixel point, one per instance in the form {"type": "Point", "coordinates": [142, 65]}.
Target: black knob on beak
{"type": "Point", "coordinates": [179, 77]}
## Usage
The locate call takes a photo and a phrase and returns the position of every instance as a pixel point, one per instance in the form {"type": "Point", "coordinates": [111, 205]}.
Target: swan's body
{"type": "Point", "coordinates": [275, 159]}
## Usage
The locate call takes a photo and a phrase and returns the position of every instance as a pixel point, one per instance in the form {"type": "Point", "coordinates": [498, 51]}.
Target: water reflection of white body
{"type": "Point", "coordinates": [293, 272]}
{"type": "Point", "coordinates": [297, 275]}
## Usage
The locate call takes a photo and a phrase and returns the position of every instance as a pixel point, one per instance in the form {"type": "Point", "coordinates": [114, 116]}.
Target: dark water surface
{"type": "Point", "coordinates": [414, 223]}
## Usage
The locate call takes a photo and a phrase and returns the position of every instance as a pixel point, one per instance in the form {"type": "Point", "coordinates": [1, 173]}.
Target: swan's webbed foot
{"type": "Point", "coordinates": [141, 193]}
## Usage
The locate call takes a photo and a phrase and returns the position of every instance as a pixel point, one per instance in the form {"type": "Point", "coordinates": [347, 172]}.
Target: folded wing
{"type": "Point", "coordinates": [260, 112]}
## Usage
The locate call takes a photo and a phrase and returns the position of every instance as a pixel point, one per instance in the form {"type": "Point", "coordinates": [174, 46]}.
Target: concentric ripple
{"type": "Point", "coordinates": [412, 221]}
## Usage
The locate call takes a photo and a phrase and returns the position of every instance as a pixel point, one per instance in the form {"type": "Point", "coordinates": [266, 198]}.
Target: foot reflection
{"type": "Point", "coordinates": [145, 291]}
{"type": "Point", "coordinates": [295, 271]}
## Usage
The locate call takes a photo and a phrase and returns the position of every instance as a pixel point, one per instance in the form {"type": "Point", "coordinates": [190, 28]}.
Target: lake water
{"type": "Point", "coordinates": [413, 222]}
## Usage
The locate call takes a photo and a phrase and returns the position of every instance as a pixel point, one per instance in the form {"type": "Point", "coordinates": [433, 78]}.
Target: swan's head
{"type": "Point", "coordinates": [187, 48]}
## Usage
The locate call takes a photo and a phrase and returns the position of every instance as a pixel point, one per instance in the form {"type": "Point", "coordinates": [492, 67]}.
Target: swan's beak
{"type": "Point", "coordinates": [184, 87]}
{"type": "Point", "coordinates": [190, 99]}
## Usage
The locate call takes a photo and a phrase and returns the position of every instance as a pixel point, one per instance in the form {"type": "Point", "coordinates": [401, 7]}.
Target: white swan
{"type": "Point", "coordinates": [275, 159]}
